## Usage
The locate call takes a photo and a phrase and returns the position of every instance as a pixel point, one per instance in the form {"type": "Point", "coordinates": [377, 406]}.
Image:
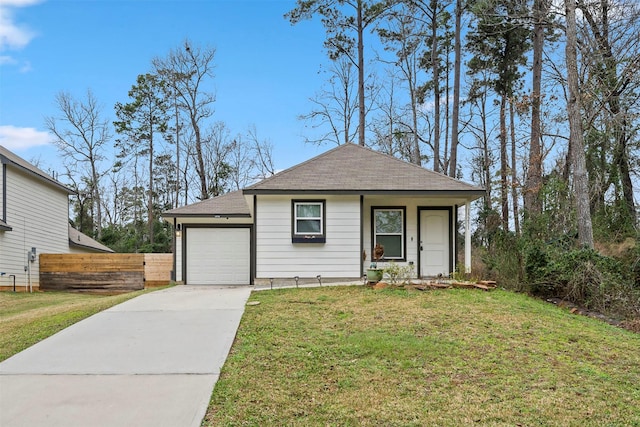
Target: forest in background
{"type": "Point", "coordinates": [533, 100]}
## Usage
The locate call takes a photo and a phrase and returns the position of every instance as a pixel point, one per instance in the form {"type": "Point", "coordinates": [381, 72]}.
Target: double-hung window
{"type": "Point", "coordinates": [389, 231]}
{"type": "Point", "coordinates": [308, 221]}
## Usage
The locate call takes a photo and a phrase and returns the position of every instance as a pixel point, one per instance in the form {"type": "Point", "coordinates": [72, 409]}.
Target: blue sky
{"type": "Point", "coordinates": [266, 69]}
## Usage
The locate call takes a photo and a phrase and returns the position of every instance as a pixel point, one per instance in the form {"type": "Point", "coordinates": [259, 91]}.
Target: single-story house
{"type": "Point", "coordinates": [321, 219]}
{"type": "Point", "coordinates": [34, 219]}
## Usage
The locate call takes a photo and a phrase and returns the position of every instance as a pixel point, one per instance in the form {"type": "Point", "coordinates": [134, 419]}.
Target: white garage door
{"type": "Point", "coordinates": [218, 256]}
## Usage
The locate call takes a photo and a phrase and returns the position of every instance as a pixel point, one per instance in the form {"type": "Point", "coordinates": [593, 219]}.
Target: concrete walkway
{"type": "Point", "coordinates": [150, 361]}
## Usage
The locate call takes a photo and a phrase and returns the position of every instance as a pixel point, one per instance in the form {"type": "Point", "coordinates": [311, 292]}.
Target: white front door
{"type": "Point", "coordinates": [434, 243]}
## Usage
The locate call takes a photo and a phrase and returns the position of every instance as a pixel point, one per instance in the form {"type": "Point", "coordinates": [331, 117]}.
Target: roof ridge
{"type": "Point", "coordinates": [31, 168]}
{"type": "Point", "coordinates": [199, 202]}
{"type": "Point", "coordinates": [352, 167]}
{"type": "Point", "coordinates": [296, 166]}
{"type": "Point", "coordinates": [405, 162]}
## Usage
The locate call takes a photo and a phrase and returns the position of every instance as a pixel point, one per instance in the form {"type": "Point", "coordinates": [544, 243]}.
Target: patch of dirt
{"type": "Point", "coordinates": [631, 325]}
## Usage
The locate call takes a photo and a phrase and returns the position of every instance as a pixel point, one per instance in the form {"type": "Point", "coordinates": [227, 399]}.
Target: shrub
{"type": "Point", "coordinates": [584, 277]}
{"type": "Point", "coordinates": [398, 273]}
{"type": "Point", "coordinates": [503, 260]}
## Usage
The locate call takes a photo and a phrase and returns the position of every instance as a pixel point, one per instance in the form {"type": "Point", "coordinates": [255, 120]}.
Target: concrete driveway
{"type": "Point", "coordinates": [150, 361]}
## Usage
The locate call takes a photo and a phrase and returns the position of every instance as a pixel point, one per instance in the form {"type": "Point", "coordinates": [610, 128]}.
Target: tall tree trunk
{"type": "Point", "coordinates": [533, 184]}
{"type": "Point", "coordinates": [415, 143]}
{"type": "Point", "coordinates": [346, 113]}
{"type": "Point", "coordinates": [580, 178]}
{"type": "Point", "coordinates": [611, 86]}
{"type": "Point", "coordinates": [435, 68]}
{"type": "Point", "coordinates": [514, 175]}
{"type": "Point", "coordinates": [95, 197]}
{"type": "Point", "coordinates": [621, 160]}
{"type": "Point", "coordinates": [202, 173]}
{"type": "Point", "coordinates": [150, 195]}
{"type": "Point", "coordinates": [504, 164]}
{"type": "Point", "coordinates": [486, 155]}
{"type": "Point", "coordinates": [177, 201]}
{"type": "Point", "coordinates": [361, 105]}
{"type": "Point", "coordinates": [455, 114]}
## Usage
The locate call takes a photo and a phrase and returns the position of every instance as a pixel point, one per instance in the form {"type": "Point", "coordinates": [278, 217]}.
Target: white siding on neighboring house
{"type": "Point", "coordinates": [278, 257]}
{"type": "Point", "coordinates": [38, 214]}
{"type": "Point", "coordinates": [2, 169]}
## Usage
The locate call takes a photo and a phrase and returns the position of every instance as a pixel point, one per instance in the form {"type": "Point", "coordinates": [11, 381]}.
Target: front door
{"type": "Point", "coordinates": [435, 248]}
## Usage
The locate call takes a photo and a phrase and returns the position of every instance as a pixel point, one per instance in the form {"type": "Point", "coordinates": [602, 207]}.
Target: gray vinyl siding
{"type": "Point", "coordinates": [38, 214]}
{"type": "Point", "coordinates": [278, 257]}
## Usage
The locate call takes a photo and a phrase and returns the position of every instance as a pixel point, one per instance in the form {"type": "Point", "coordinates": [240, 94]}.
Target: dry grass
{"type": "Point", "coordinates": [355, 356]}
{"type": "Point", "coordinates": [26, 318]}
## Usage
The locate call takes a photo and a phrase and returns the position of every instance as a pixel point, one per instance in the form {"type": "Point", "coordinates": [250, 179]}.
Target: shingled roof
{"type": "Point", "coordinates": [7, 157]}
{"type": "Point", "coordinates": [353, 169]}
{"type": "Point", "coordinates": [79, 239]}
{"type": "Point", "coordinates": [230, 204]}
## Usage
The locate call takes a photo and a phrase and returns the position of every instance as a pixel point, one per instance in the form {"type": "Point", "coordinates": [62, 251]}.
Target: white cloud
{"type": "Point", "coordinates": [5, 59]}
{"type": "Point", "coordinates": [16, 138]}
{"type": "Point", "coordinates": [18, 3]}
{"type": "Point", "coordinates": [22, 66]}
{"type": "Point", "coordinates": [13, 35]}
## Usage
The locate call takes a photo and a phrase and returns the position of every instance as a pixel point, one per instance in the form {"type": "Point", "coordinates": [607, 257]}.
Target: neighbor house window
{"type": "Point", "coordinates": [308, 221]}
{"type": "Point", "coordinates": [389, 231]}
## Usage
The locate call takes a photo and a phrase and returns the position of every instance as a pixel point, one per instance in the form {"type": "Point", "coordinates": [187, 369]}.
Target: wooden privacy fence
{"type": "Point", "coordinates": [157, 269]}
{"type": "Point", "coordinates": [104, 272]}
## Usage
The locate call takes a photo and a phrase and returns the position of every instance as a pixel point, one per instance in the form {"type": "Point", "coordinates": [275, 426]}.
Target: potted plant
{"type": "Point", "coordinates": [374, 274]}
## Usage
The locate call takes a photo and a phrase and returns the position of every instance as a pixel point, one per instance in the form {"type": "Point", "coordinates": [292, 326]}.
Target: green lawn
{"type": "Point", "coordinates": [26, 318]}
{"type": "Point", "coordinates": [351, 356]}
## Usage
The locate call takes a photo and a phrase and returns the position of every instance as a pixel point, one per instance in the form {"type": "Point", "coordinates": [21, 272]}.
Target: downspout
{"type": "Point", "coordinates": [467, 236]}
{"type": "Point", "coordinates": [254, 239]}
{"type": "Point", "coordinates": [183, 253]}
{"type": "Point", "coordinates": [456, 241]}
{"type": "Point", "coordinates": [175, 264]}
{"type": "Point", "coordinates": [361, 235]}
{"type": "Point", "coordinates": [4, 192]}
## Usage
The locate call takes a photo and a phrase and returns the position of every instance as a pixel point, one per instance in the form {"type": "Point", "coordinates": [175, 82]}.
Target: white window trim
{"type": "Point", "coordinates": [319, 218]}
{"type": "Point", "coordinates": [401, 234]}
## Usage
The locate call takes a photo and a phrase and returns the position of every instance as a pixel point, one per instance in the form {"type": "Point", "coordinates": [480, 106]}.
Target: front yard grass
{"type": "Point", "coordinates": [351, 356]}
{"type": "Point", "coordinates": [26, 318]}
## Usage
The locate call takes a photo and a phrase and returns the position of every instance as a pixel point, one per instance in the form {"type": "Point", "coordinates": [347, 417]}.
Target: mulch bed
{"type": "Point", "coordinates": [424, 285]}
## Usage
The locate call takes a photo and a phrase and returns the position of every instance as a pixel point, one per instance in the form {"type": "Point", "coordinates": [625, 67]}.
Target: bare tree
{"type": "Point", "coordinates": [218, 145]}
{"type": "Point", "coordinates": [533, 182]}
{"type": "Point", "coordinates": [610, 53]}
{"type": "Point", "coordinates": [240, 162]}
{"type": "Point", "coordinates": [455, 113]}
{"type": "Point", "coordinates": [499, 42]}
{"type": "Point", "coordinates": [188, 70]}
{"type": "Point", "coordinates": [262, 154]}
{"type": "Point", "coordinates": [82, 135]}
{"type": "Point", "coordinates": [341, 19]}
{"type": "Point", "coordinates": [405, 34]}
{"type": "Point", "coordinates": [576, 141]}
{"type": "Point", "coordinates": [335, 106]}
{"type": "Point", "coordinates": [390, 138]}
{"type": "Point", "coordinates": [514, 169]}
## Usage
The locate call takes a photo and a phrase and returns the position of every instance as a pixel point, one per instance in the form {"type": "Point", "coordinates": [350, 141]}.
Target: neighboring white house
{"type": "Point", "coordinates": [323, 218]}
{"type": "Point", "coordinates": [34, 213]}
